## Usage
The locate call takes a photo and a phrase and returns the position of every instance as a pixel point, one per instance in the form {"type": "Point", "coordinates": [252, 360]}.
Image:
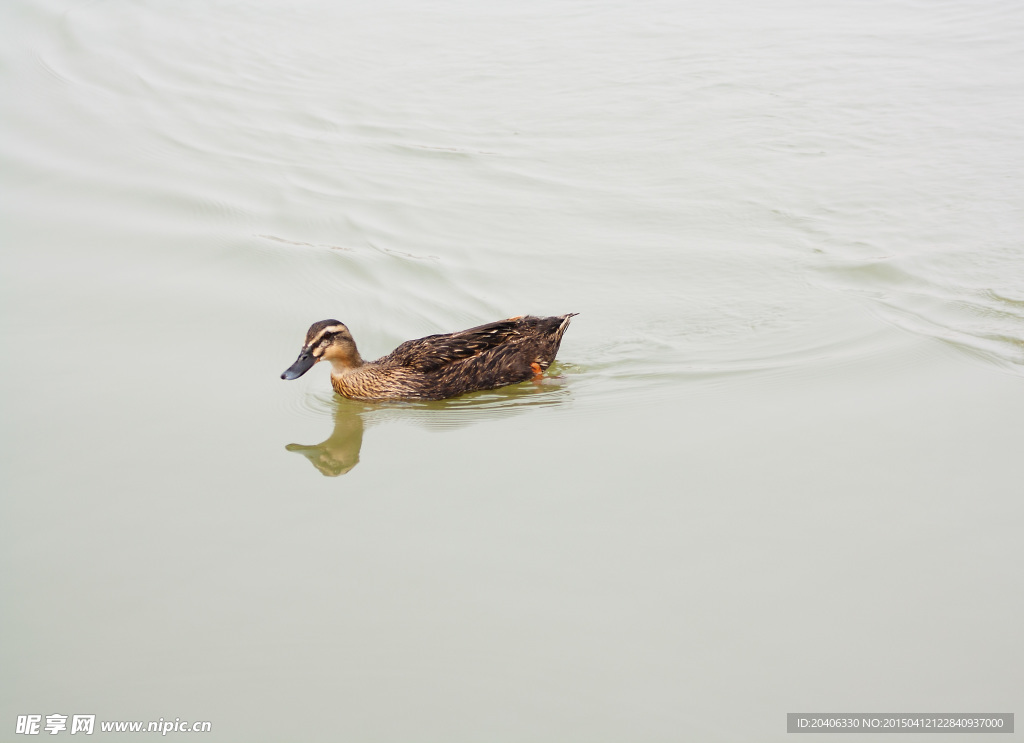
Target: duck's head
{"type": "Point", "coordinates": [327, 339]}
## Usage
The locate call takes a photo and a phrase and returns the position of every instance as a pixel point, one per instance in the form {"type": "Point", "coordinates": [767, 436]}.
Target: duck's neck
{"type": "Point", "coordinates": [344, 360]}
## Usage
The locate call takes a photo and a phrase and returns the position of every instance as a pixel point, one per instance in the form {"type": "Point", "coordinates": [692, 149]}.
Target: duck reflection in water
{"type": "Point", "coordinates": [339, 453]}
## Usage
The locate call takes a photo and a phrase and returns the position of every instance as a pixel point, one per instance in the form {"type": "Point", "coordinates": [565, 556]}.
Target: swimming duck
{"type": "Point", "coordinates": [437, 366]}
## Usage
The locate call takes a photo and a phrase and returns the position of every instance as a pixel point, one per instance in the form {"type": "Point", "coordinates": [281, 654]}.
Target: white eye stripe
{"type": "Point", "coordinates": [320, 335]}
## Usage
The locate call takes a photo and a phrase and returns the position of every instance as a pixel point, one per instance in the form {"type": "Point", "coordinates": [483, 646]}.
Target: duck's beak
{"type": "Point", "coordinates": [302, 365]}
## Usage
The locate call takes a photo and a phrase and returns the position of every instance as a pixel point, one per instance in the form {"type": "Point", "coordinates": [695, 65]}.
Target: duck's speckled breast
{"type": "Point", "coordinates": [374, 382]}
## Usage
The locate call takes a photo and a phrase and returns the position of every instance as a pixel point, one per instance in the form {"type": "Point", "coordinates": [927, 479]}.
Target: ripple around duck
{"type": "Point", "coordinates": [310, 404]}
{"type": "Point", "coordinates": [477, 407]}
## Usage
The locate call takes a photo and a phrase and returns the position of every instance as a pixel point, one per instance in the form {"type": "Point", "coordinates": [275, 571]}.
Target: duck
{"type": "Point", "coordinates": [435, 367]}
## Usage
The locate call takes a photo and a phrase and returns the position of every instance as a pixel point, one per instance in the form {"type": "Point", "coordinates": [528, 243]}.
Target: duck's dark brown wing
{"type": "Point", "coordinates": [437, 351]}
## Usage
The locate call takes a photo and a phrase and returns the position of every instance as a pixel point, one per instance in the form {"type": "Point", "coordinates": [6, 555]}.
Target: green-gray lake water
{"type": "Point", "coordinates": [776, 469]}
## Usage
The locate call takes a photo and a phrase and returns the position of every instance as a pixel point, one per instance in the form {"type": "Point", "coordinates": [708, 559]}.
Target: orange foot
{"type": "Point", "coordinates": [538, 373]}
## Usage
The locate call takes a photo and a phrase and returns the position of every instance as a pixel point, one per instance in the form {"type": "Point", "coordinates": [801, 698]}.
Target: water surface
{"type": "Point", "coordinates": [776, 468]}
